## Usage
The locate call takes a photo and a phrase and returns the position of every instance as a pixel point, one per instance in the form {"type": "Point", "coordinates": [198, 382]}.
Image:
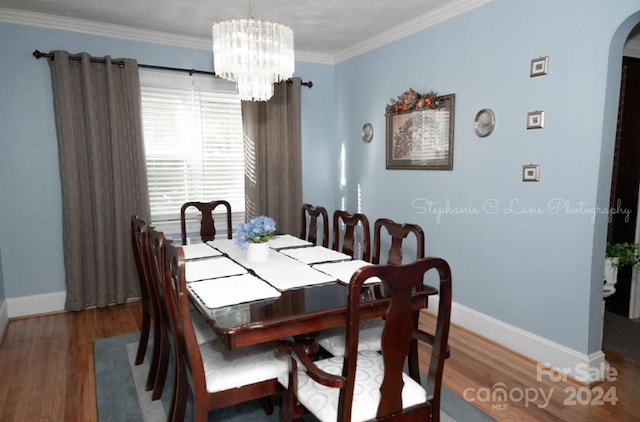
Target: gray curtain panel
{"type": "Point", "coordinates": [103, 175]}
{"type": "Point", "coordinates": [273, 157]}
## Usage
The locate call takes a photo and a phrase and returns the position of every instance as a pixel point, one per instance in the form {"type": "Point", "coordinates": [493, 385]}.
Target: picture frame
{"type": "Point", "coordinates": [531, 173]}
{"type": "Point", "coordinates": [535, 120]}
{"type": "Point", "coordinates": [419, 132]}
{"type": "Point", "coordinates": [539, 66]}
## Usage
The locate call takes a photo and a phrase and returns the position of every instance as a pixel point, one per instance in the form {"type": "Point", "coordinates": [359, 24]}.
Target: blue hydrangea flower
{"type": "Point", "coordinates": [258, 230]}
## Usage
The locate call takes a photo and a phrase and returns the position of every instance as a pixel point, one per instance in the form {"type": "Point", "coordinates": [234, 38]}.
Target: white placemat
{"type": "Point", "coordinates": [226, 291]}
{"type": "Point", "coordinates": [315, 254]}
{"type": "Point", "coordinates": [293, 276]}
{"type": "Point", "coordinates": [344, 270]}
{"type": "Point", "coordinates": [288, 241]}
{"type": "Point", "coordinates": [202, 269]}
{"type": "Point", "coordinates": [199, 250]}
{"type": "Point", "coordinates": [224, 245]}
{"type": "Point", "coordinates": [281, 271]}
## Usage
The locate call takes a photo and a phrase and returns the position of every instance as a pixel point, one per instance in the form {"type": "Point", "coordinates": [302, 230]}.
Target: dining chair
{"type": "Point", "coordinates": [153, 253]}
{"type": "Point", "coordinates": [346, 234]}
{"type": "Point", "coordinates": [311, 215]}
{"type": "Point", "coordinates": [333, 340]}
{"type": "Point", "coordinates": [218, 377]}
{"type": "Point", "coordinates": [207, 223]}
{"type": "Point", "coordinates": [154, 257]}
{"type": "Point", "coordinates": [366, 385]}
{"type": "Point", "coordinates": [149, 311]}
{"type": "Point", "coordinates": [397, 232]}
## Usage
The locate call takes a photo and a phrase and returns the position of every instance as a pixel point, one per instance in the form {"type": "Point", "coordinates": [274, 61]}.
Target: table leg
{"type": "Point", "coordinates": [310, 343]}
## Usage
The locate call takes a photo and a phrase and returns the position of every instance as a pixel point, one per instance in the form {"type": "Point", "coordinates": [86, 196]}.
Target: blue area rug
{"type": "Point", "coordinates": [121, 396]}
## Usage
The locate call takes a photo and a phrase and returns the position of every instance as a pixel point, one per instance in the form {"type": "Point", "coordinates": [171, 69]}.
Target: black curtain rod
{"type": "Point", "coordinates": [38, 55]}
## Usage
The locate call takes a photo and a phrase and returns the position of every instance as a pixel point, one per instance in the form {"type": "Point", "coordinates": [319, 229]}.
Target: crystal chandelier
{"type": "Point", "coordinates": [253, 53]}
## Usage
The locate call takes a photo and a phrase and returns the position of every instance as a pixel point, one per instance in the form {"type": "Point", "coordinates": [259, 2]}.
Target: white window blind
{"type": "Point", "coordinates": [193, 142]}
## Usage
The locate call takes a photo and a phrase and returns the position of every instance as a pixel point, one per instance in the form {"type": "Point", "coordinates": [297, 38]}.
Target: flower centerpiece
{"type": "Point", "coordinates": [254, 236]}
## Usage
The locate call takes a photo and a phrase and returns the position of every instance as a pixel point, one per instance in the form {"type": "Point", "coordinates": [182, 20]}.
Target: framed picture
{"type": "Point", "coordinates": [530, 173]}
{"type": "Point", "coordinates": [539, 66]}
{"type": "Point", "coordinates": [535, 120]}
{"type": "Point", "coordinates": [420, 131]}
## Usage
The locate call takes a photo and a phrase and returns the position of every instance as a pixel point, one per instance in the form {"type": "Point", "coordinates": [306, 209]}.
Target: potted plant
{"type": "Point", "coordinates": [254, 235]}
{"type": "Point", "coordinates": [619, 255]}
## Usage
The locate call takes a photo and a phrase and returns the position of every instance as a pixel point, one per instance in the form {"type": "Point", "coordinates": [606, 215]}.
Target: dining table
{"type": "Point", "coordinates": [299, 290]}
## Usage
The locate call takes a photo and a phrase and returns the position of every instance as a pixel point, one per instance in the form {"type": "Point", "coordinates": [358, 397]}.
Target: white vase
{"type": "Point", "coordinates": [258, 252]}
{"type": "Point", "coordinates": [610, 276]}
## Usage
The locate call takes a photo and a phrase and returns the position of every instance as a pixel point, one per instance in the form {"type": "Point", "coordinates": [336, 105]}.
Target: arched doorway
{"type": "Point", "coordinates": [625, 181]}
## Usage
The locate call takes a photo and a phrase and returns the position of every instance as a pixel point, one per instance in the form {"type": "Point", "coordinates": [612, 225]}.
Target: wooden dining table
{"type": "Point", "coordinates": [303, 304]}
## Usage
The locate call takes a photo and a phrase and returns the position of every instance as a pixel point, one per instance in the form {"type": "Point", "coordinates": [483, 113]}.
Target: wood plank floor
{"type": "Point", "coordinates": [478, 368]}
{"type": "Point", "coordinates": [46, 368]}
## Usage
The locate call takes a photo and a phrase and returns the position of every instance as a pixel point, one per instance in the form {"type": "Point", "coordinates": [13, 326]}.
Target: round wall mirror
{"type": "Point", "coordinates": [367, 133]}
{"type": "Point", "coordinates": [484, 122]}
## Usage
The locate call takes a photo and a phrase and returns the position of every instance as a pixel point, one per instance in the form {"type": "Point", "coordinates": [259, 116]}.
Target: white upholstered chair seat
{"type": "Point", "coordinates": [225, 369]}
{"type": "Point", "coordinates": [203, 332]}
{"type": "Point", "coordinates": [333, 339]}
{"type": "Point", "coordinates": [322, 401]}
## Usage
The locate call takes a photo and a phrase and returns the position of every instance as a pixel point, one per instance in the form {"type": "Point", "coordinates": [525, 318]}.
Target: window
{"type": "Point", "coordinates": [193, 143]}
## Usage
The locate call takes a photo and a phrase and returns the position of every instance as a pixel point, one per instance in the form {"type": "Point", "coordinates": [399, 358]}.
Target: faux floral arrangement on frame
{"type": "Point", "coordinates": [258, 230]}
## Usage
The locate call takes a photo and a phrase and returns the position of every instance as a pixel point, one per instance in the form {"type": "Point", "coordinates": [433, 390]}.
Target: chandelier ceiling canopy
{"type": "Point", "coordinates": [253, 53]}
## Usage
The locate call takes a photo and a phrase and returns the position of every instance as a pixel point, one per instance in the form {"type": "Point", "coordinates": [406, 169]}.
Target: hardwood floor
{"type": "Point", "coordinates": [477, 366]}
{"type": "Point", "coordinates": [46, 363]}
{"type": "Point", "coordinates": [46, 368]}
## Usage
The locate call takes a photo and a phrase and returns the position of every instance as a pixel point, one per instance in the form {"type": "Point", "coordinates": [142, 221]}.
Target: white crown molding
{"type": "Point", "coordinates": [98, 28]}
{"type": "Point", "coordinates": [124, 32]}
{"type": "Point", "coordinates": [632, 49]}
{"type": "Point", "coordinates": [410, 27]}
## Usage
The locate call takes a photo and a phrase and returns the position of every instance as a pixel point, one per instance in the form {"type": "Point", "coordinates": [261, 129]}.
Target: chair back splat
{"type": "Point", "coordinates": [207, 223]}
{"type": "Point", "coordinates": [310, 217]}
{"type": "Point", "coordinates": [383, 391]}
{"type": "Point", "coordinates": [348, 241]}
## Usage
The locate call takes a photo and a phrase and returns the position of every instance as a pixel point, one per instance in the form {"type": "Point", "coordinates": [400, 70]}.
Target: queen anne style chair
{"type": "Point", "coordinates": [333, 340]}
{"type": "Point", "coordinates": [153, 253]}
{"type": "Point", "coordinates": [398, 232]}
{"type": "Point", "coordinates": [218, 377]}
{"type": "Point", "coordinates": [366, 385]}
{"type": "Point", "coordinates": [149, 306]}
{"type": "Point", "coordinates": [309, 231]}
{"type": "Point", "coordinates": [207, 223]}
{"type": "Point", "coordinates": [346, 241]}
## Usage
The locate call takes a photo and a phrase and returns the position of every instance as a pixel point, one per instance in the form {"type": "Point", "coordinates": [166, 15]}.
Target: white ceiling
{"type": "Point", "coordinates": [334, 29]}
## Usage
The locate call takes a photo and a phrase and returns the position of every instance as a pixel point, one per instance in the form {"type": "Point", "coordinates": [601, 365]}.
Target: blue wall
{"type": "Point", "coordinates": [530, 254]}
{"type": "Point", "coordinates": [540, 271]}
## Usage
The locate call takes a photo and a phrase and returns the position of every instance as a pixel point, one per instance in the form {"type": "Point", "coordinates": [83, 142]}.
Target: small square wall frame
{"type": "Point", "coordinates": [535, 120]}
{"type": "Point", "coordinates": [531, 173]}
{"type": "Point", "coordinates": [539, 66]}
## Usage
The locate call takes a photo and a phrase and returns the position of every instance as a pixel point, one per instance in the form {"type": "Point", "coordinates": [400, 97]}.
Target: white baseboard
{"type": "Point", "coordinates": [4, 318]}
{"type": "Point", "coordinates": [583, 368]}
{"type": "Point", "coordinates": [36, 304]}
